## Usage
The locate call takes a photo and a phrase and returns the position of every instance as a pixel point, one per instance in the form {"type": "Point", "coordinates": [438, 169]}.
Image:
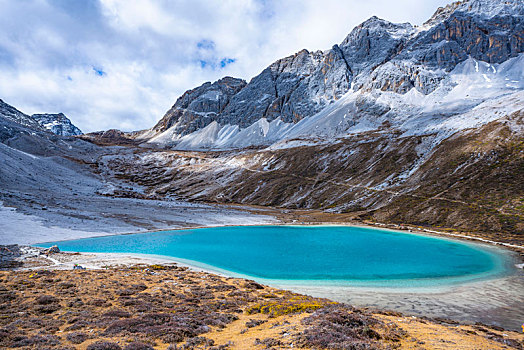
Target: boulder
{"type": "Point", "coordinates": [53, 249]}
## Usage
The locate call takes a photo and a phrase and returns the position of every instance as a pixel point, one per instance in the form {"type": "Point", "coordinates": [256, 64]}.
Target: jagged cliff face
{"type": "Point", "coordinates": [376, 57]}
{"type": "Point", "coordinates": [197, 108]}
{"type": "Point", "coordinates": [486, 30]}
{"type": "Point", "coordinates": [373, 43]}
{"type": "Point", "coordinates": [58, 124]}
{"type": "Point", "coordinates": [291, 89]}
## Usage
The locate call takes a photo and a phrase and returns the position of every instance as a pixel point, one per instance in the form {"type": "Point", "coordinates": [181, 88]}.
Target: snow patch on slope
{"type": "Point", "coordinates": [215, 136]}
{"type": "Point", "coordinates": [491, 8]}
{"type": "Point", "coordinates": [473, 94]}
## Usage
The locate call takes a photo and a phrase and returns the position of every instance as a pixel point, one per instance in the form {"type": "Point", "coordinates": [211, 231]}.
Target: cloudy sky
{"type": "Point", "coordinates": [121, 63]}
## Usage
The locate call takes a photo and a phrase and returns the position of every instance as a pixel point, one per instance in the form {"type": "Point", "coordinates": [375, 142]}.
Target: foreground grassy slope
{"type": "Point", "coordinates": [170, 307]}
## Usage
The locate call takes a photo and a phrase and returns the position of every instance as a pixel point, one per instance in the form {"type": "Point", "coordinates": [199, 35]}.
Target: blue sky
{"type": "Point", "coordinates": [122, 64]}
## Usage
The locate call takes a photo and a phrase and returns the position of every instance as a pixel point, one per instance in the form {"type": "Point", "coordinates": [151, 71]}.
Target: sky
{"type": "Point", "coordinates": [120, 64]}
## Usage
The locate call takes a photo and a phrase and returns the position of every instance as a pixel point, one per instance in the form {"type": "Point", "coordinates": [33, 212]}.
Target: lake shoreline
{"type": "Point", "coordinates": [452, 301]}
{"type": "Point", "coordinates": [493, 302]}
{"type": "Point", "coordinates": [392, 227]}
{"type": "Point", "coordinates": [454, 272]}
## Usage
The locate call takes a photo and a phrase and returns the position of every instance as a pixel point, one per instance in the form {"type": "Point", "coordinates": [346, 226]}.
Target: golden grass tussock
{"type": "Point", "coordinates": [285, 306]}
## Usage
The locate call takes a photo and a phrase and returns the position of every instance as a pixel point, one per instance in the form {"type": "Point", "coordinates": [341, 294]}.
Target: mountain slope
{"type": "Point", "coordinates": [471, 181]}
{"type": "Point", "coordinates": [11, 113]}
{"type": "Point", "coordinates": [59, 193]}
{"type": "Point", "coordinates": [403, 124]}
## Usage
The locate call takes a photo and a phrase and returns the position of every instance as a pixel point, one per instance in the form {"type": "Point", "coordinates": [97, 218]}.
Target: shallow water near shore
{"type": "Point", "coordinates": [314, 255]}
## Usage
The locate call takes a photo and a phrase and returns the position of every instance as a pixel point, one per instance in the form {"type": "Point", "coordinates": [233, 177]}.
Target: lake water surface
{"type": "Point", "coordinates": [327, 254]}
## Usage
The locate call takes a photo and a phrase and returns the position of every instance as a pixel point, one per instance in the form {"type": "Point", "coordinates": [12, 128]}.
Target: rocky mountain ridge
{"type": "Point", "coordinates": [11, 113]}
{"type": "Point", "coordinates": [377, 57]}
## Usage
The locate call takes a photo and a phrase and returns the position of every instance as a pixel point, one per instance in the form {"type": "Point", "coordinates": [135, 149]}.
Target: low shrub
{"type": "Point", "coordinates": [138, 346]}
{"type": "Point", "coordinates": [46, 300]}
{"type": "Point", "coordinates": [253, 323]}
{"type": "Point", "coordinates": [340, 327]}
{"type": "Point", "coordinates": [198, 341]}
{"type": "Point", "coordinates": [131, 325]}
{"type": "Point", "coordinates": [117, 313]}
{"type": "Point", "coordinates": [76, 337]}
{"type": "Point", "coordinates": [66, 285]}
{"type": "Point", "coordinates": [76, 325]}
{"type": "Point", "coordinates": [4, 334]}
{"type": "Point", "coordinates": [47, 309]}
{"type": "Point", "coordinates": [171, 327]}
{"type": "Point", "coordinates": [77, 302]}
{"type": "Point", "coordinates": [395, 333]}
{"type": "Point", "coordinates": [98, 302]}
{"type": "Point", "coordinates": [104, 345]}
{"type": "Point", "coordinates": [268, 342]}
{"type": "Point", "coordinates": [222, 287]}
{"type": "Point", "coordinates": [36, 341]}
{"type": "Point", "coordinates": [7, 296]}
{"type": "Point", "coordinates": [252, 285]}
{"type": "Point", "coordinates": [133, 289]}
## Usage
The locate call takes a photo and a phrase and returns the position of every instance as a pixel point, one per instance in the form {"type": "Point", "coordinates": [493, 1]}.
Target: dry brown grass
{"type": "Point", "coordinates": [169, 306]}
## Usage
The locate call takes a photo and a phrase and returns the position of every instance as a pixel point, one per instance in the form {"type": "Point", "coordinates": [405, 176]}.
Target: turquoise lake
{"type": "Point", "coordinates": [337, 254]}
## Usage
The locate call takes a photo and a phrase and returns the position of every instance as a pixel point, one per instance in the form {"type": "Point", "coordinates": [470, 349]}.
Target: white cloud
{"type": "Point", "coordinates": [149, 50]}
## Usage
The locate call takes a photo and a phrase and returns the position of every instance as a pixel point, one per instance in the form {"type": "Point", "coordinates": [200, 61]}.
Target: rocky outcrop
{"type": "Point", "coordinates": [52, 250]}
{"type": "Point", "coordinates": [480, 8]}
{"type": "Point", "coordinates": [197, 108]}
{"type": "Point", "coordinates": [373, 43]}
{"type": "Point", "coordinates": [489, 31]}
{"type": "Point", "coordinates": [402, 76]}
{"type": "Point", "coordinates": [451, 41]}
{"type": "Point", "coordinates": [23, 133]}
{"type": "Point", "coordinates": [57, 123]}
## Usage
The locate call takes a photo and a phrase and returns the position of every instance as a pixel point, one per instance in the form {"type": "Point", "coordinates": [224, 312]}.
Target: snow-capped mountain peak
{"type": "Point", "coordinates": [481, 8]}
{"type": "Point", "coordinates": [57, 123]}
